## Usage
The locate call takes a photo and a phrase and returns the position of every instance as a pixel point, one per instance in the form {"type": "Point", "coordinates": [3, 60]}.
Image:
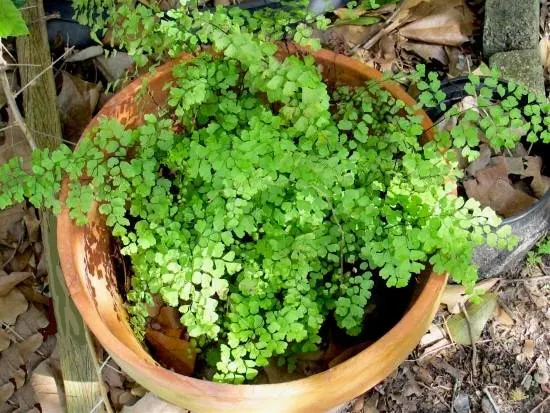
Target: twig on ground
{"type": "Point", "coordinates": [455, 388]}
{"type": "Point", "coordinates": [12, 104]}
{"type": "Point", "coordinates": [441, 399]}
{"type": "Point", "coordinates": [470, 333]}
{"type": "Point", "coordinates": [69, 50]}
{"type": "Point", "coordinates": [530, 370]}
{"type": "Point", "coordinates": [491, 400]}
{"type": "Point", "coordinates": [520, 280]}
{"type": "Point", "coordinates": [538, 406]}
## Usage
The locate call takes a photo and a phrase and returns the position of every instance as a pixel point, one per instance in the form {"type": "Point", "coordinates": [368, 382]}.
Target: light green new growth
{"type": "Point", "coordinates": [263, 202]}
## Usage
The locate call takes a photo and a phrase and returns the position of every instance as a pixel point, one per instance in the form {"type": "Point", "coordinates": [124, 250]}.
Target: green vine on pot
{"type": "Point", "coordinates": [261, 202]}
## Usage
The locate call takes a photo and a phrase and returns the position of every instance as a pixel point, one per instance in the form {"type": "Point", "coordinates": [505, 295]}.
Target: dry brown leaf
{"type": "Point", "coordinates": [112, 377]}
{"type": "Point", "coordinates": [4, 340]}
{"type": "Point", "coordinates": [6, 391]}
{"type": "Point", "coordinates": [30, 322]}
{"type": "Point", "coordinates": [341, 38]}
{"type": "Point", "coordinates": [455, 294]}
{"type": "Point", "coordinates": [10, 367]}
{"type": "Point", "coordinates": [44, 381]}
{"type": "Point", "coordinates": [503, 318]}
{"type": "Point", "coordinates": [14, 144]}
{"type": "Point", "coordinates": [24, 399]}
{"type": "Point", "coordinates": [481, 162]}
{"type": "Point", "coordinates": [492, 188]}
{"type": "Point", "coordinates": [12, 228]}
{"type": "Point", "coordinates": [76, 104]}
{"type": "Point", "coordinates": [427, 51]}
{"type": "Point", "coordinates": [22, 259]}
{"type": "Point", "coordinates": [152, 404]}
{"type": "Point", "coordinates": [9, 281]}
{"type": "Point", "coordinates": [173, 352]}
{"type": "Point", "coordinates": [32, 224]}
{"type": "Point", "coordinates": [11, 306]}
{"type": "Point", "coordinates": [540, 185]}
{"type": "Point", "coordinates": [29, 346]}
{"type": "Point", "coordinates": [452, 26]}
{"type": "Point", "coordinates": [434, 334]}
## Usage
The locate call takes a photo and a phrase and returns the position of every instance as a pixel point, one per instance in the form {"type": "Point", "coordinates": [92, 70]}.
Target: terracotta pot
{"type": "Point", "coordinates": [91, 280]}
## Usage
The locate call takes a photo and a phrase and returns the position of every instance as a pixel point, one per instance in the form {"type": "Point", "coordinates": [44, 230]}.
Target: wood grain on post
{"type": "Point", "coordinates": [83, 388]}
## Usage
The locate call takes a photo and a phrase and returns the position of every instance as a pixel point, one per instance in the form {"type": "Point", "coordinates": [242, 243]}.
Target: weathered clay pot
{"type": "Point", "coordinates": [91, 281]}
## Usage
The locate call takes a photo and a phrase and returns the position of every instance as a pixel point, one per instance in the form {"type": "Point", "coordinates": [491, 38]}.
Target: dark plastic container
{"type": "Point", "coordinates": [529, 226]}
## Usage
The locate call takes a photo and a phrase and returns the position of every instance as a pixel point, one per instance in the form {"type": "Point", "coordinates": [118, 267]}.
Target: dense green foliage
{"type": "Point", "coordinates": [260, 201]}
{"type": "Point", "coordinates": [501, 114]}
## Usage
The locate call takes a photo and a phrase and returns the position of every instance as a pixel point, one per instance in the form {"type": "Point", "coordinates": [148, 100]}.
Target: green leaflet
{"type": "Point", "coordinates": [11, 20]}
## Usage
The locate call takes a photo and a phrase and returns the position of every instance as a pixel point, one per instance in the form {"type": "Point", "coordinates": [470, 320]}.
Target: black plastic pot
{"type": "Point", "coordinates": [63, 27]}
{"type": "Point", "coordinates": [529, 226]}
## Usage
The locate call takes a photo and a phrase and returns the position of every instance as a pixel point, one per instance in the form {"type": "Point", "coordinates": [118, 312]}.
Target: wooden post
{"type": "Point", "coordinates": [84, 390]}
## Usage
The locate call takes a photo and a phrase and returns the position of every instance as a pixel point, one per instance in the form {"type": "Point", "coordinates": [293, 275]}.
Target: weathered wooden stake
{"type": "Point", "coordinates": [83, 388]}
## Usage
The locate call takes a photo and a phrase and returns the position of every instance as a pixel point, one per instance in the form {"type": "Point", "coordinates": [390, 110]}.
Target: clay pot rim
{"type": "Point", "coordinates": [423, 304]}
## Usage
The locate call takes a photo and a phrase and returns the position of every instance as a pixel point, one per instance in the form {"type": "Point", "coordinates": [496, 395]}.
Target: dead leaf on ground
{"type": "Point", "coordinates": [11, 306]}
{"type": "Point", "coordinates": [503, 318]}
{"type": "Point", "coordinates": [24, 399]}
{"type": "Point", "coordinates": [465, 332]}
{"type": "Point", "coordinates": [173, 352]}
{"type": "Point", "coordinates": [12, 228]}
{"type": "Point", "coordinates": [492, 188]}
{"type": "Point", "coordinates": [45, 381]}
{"type": "Point", "coordinates": [112, 377]}
{"type": "Point", "coordinates": [6, 391]}
{"type": "Point", "coordinates": [4, 340]}
{"type": "Point", "coordinates": [76, 103]}
{"type": "Point", "coordinates": [434, 334]}
{"type": "Point", "coordinates": [450, 26]}
{"type": "Point", "coordinates": [29, 346]}
{"type": "Point", "coordinates": [10, 367]}
{"type": "Point", "coordinates": [32, 224]}
{"type": "Point", "coordinates": [30, 322]}
{"type": "Point", "coordinates": [14, 144]}
{"type": "Point", "coordinates": [9, 281]}
{"type": "Point", "coordinates": [152, 404]}
{"type": "Point", "coordinates": [455, 294]}
{"type": "Point", "coordinates": [427, 51]}
{"type": "Point", "coordinates": [481, 162]}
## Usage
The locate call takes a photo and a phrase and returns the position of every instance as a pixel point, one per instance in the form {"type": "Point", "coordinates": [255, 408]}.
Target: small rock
{"type": "Point", "coordinates": [462, 403]}
{"type": "Point", "coordinates": [529, 349]}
